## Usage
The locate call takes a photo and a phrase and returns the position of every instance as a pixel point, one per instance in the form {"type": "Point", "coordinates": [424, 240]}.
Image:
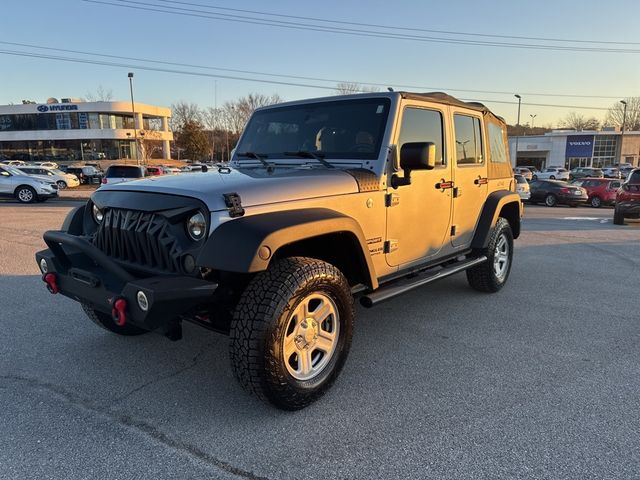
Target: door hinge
{"type": "Point", "coordinates": [391, 199]}
{"type": "Point", "coordinates": [453, 230]}
{"type": "Point", "coordinates": [390, 246]}
{"type": "Point", "coordinates": [457, 192]}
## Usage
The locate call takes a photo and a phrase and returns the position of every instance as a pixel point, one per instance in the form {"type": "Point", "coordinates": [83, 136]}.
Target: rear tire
{"type": "Point", "coordinates": [491, 275]}
{"type": "Point", "coordinates": [284, 346]}
{"type": "Point", "coordinates": [105, 321]}
{"type": "Point", "coordinates": [618, 217]}
{"type": "Point", "coordinates": [550, 200]}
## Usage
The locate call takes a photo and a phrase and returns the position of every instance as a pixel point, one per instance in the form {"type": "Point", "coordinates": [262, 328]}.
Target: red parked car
{"type": "Point", "coordinates": [151, 171]}
{"type": "Point", "coordinates": [628, 199]}
{"type": "Point", "coordinates": [601, 191]}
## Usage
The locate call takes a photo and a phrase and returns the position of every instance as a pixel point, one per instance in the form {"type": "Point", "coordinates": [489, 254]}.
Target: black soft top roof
{"type": "Point", "coordinates": [441, 97]}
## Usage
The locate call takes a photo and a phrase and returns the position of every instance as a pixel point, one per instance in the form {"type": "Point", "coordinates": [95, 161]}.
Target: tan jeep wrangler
{"type": "Point", "coordinates": [325, 200]}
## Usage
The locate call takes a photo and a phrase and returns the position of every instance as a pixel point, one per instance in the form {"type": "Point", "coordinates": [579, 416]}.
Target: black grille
{"type": "Point", "coordinates": [139, 238]}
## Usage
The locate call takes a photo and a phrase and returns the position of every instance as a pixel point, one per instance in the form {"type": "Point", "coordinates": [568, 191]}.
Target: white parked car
{"type": "Point", "coordinates": [63, 180]}
{"type": "Point", "coordinates": [25, 188]}
{"type": "Point", "coordinates": [522, 187]}
{"type": "Point", "coordinates": [552, 173]}
{"type": "Point", "coordinates": [47, 164]}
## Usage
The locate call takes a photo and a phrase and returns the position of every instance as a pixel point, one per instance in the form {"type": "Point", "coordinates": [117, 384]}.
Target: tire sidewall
{"type": "Point", "coordinates": [595, 202]}
{"type": "Point", "coordinates": [554, 201]}
{"type": "Point", "coordinates": [33, 194]}
{"type": "Point", "coordinates": [61, 184]}
{"type": "Point", "coordinates": [502, 228]}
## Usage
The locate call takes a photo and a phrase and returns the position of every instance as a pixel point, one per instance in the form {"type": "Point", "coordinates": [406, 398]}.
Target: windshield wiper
{"type": "Point", "coordinates": [307, 154]}
{"type": "Point", "coordinates": [257, 156]}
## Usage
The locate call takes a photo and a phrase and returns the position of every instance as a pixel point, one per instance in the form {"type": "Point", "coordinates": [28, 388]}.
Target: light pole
{"type": "Point", "coordinates": [517, 126]}
{"type": "Point", "coordinates": [533, 117]}
{"type": "Point", "coordinates": [133, 110]}
{"type": "Point", "coordinates": [624, 121]}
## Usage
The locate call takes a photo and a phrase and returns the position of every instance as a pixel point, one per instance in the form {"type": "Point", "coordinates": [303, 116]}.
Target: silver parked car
{"type": "Point", "coordinates": [552, 173]}
{"type": "Point", "coordinates": [63, 180]}
{"type": "Point", "coordinates": [522, 187]}
{"type": "Point", "coordinates": [25, 188]}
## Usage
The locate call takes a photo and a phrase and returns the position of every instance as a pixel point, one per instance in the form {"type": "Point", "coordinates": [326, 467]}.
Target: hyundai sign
{"type": "Point", "coordinates": [56, 108]}
{"type": "Point", "coordinates": [579, 146]}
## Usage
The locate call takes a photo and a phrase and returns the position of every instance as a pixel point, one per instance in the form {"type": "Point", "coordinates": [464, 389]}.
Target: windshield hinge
{"type": "Point", "coordinates": [390, 245]}
{"type": "Point", "coordinates": [234, 204]}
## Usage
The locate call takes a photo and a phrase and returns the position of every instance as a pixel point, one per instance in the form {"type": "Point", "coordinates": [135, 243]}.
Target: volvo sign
{"type": "Point", "coordinates": [63, 107]}
{"type": "Point", "coordinates": [579, 146]}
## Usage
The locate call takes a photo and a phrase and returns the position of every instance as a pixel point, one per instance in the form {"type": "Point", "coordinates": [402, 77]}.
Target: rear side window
{"type": "Point", "coordinates": [634, 177]}
{"type": "Point", "coordinates": [614, 185]}
{"type": "Point", "coordinates": [468, 140]}
{"type": "Point", "coordinates": [520, 179]}
{"type": "Point", "coordinates": [496, 145]}
{"type": "Point", "coordinates": [124, 172]}
{"type": "Point", "coordinates": [421, 125]}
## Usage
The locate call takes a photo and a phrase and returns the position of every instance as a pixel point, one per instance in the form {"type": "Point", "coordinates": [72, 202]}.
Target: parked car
{"type": "Point", "coordinates": [123, 173]}
{"type": "Point", "coordinates": [47, 164]}
{"type": "Point", "coordinates": [63, 180]}
{"type": "Point", "coordinates": [85, 173]}
{"type": "Point", "coordinates": [531, 168]}
{"type": "Point", "coordinates": [171, 170]}
{"type": "Point", "coordinates": [628, 199]}
{"type": "Point", "coordinates": [555, 192]}
{"type": "Point", "coordinates": [582, 172]}
{"type": "Point", "coordinates": [25, 188]}
{"type": "Point", "coordinates": [525, 172]}
{"type": "Point", "coordinates": [601, 191]}
{"type": "Point", "coordinates": [153, 171]}
{"type": "Point", "coordinates": [552, 173]}
{"type": "Point", "coordinates": [625, 171]}
{"type": "Point", "coordinates": [14, 163]}
{"type": "Point", "coordinates": [611, 172]}
{"type": "Point", "coordinates": [522, 187]}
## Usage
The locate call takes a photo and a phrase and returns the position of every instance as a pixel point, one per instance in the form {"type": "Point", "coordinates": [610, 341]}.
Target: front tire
{"type": "Point", "coordinates": [491, 275]}
{"type": "Point", "coordinates": [595, 202]}
{"type": "Point", "coordinates": [291, 332]}
{"type": "Point", "coordinates": [618, 217]}
{"type": "Point", "coordinates": [105, 321]}
{"type": "Point", "coordinates": [62, 184]}
{"type": "Point", "coordinates": [26, 194]}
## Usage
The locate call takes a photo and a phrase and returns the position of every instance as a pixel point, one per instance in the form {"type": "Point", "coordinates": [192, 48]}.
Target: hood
{"type": "Point", "coordinates": [254, 185]}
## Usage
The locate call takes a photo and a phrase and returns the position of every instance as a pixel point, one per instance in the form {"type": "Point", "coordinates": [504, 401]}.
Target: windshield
{"type": "Point", "coordinates": [346, 129]}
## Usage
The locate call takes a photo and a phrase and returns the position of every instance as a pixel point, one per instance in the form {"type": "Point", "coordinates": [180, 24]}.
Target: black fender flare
{"type": "Point", "coordinates": [247, 244]}
{"type": "Point", "coordinates": [494, 204]}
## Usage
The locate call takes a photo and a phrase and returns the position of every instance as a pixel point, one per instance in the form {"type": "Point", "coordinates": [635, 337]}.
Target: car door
{"type": "Point", "coordinates": [419, 214]}
{"type": "Point", "coordinates": [6, 182]}
{"type": "Point", "coordinates": [470, 176]}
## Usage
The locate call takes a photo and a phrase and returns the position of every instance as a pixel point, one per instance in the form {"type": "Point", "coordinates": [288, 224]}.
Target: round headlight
{"type": "Point", "coordinates": [196, 226]}
{"type": "Point", "coordinates": [97, 214]}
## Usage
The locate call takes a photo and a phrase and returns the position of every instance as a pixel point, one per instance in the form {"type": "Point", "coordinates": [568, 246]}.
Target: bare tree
{"type": "Point", "coordinates": [616, 113]}
{"type": "Point", "coordinates": [347, 88]}
{"type": "Point", "coordinates": [579, 122]}
{"type": "Point", "coordinates": [183, 112]}
{"type": "Point", "coordinates": [236, 114]}
{"type": "Point", "coordinates": [101, 95]}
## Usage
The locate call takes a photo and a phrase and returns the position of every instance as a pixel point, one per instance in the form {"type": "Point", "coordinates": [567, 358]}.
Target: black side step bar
{"type": "Point", "coordinates": [402, 286]}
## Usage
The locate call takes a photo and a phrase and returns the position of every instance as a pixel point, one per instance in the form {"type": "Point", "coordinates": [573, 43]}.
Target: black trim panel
{"type": "Point", "coordinates": [485, 222]}
{"type": "Point", "coordinates": [234, 246]}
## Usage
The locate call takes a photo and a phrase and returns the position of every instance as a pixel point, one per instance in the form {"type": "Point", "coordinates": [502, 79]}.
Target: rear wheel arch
{"type": "Point", "coordinates": [502, 203]}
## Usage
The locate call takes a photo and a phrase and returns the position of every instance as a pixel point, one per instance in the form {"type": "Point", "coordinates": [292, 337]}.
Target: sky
{"type": "Point", "coordinates": [110, 27]}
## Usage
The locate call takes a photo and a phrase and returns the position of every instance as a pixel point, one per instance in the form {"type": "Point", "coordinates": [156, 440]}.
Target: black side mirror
{"type": "Point", "coordinates": [414, 156]}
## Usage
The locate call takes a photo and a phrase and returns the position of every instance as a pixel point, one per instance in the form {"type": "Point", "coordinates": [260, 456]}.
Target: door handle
{"type": "Point", "coordinates": [481, 180]}
{"type": "Point", "coordinates": [444, 184]}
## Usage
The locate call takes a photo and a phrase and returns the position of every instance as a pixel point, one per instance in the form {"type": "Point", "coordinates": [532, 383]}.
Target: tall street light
{"type": "Point", "coordinates": [624, 121]}
{"type": "Point", "coordinates": [133, 109]}
{"type": "Point", "coordinates": [518, 125]}
{"type": "Point", "coordinates": [533, 117]}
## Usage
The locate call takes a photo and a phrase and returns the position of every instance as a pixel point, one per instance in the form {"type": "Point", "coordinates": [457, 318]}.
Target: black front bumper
{"type": "Point", "coordinates": [85, 274]}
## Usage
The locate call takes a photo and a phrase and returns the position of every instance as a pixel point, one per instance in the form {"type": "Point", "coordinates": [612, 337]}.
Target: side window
{"type": "Point", "coordinates": [614, 185]}
{"type": "Point", "coordinates": [468, 140]}
{"type": "Point", "coordinates": [496, 144]}
{"type": "Point", "coordinates": [421, 125]}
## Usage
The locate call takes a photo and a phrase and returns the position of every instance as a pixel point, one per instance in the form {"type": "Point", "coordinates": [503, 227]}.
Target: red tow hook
{"type": "Point", "coordinates": [119, 312]}
{"type": "Point", "coordinates": [51, 281]}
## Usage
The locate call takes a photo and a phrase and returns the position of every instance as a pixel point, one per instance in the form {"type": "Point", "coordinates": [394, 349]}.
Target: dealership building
{"type": "Point", "coordinates": [569, 149]}
{"type": "Point", "coordinates": [73, 130]}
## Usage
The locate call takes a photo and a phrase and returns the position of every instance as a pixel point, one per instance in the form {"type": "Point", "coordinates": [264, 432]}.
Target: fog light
{"type": "Point", "coordinates": [44, 268]}
{"type": "Point", "coordinates": [143, 303]}
{"type": "Point", "coordinates": [189, 263]}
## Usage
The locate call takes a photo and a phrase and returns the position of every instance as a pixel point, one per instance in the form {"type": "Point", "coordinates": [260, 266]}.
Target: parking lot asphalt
{"type": "Point", "coordinates": [541, 380]}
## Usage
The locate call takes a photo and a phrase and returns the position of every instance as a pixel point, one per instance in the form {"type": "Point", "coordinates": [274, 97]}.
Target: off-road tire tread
{"type": "Point", "coordinates": [618, 218]}
{"type": "Point", "coordinates": [482, 277]}
{"type": "Point", "coordinates": [252, 334]}
{"type": "Point", "coordinates": [105, 321]}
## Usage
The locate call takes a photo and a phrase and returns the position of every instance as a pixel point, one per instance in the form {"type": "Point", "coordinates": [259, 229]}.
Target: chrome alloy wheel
{"type": "Point", "coordinates": [501, 258]}
{"type": "Point", "coordinates": [25, 195]}
{"type": "Point", "coordinates": [311, 336]}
